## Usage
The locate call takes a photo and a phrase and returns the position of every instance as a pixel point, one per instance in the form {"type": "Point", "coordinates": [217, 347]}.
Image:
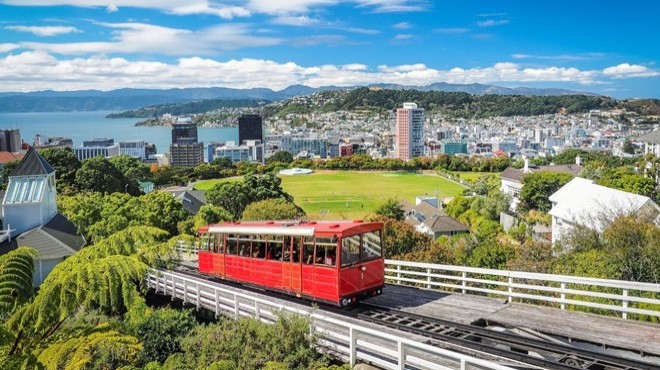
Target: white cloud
{"type": "Point", "coordinates": [6, 47]}
{"type": "Point", "coordinates": [44, 30]}
{"type": "Point", "coordinates": [38, 70]}
{"type": "Point", "coordinates": [625, 70]}
{"type": "Point", "coordinates": [180, 7]}
{"type": "Point", "coordinates": [402, 26]}
{"type": "Point", "coordinates": [289, 20]}
{"type": "Point", "coordinates": [225, 10]}
{"type": "Point", "coordinates": [403, 36]}
{"type": "Point", "coordinates": [452, 30]}
{"type": "Point", "coordinates": [364, 31]}
{"type": "Point", "coordinates": [313, 40]}
{"type": "Point", "coordinates": [111, 8]}
{"type": "Point", "coordinates": [146, 38]}
{"type": "Point", "coordinates": [493, 22]}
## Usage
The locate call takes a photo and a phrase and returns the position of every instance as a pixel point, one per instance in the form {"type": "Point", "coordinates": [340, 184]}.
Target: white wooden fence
{"type": "Point", "coordinates": [355, 342]}
{"type": "Point", "coordinates": [559, 290]}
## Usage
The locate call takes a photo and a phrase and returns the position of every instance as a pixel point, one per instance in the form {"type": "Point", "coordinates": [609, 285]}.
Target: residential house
{"type": "Point", "coordinates": [512, 177]}
{"type": "Point", "coordinates": [651, 143]}
{"type": "Point", "coordinates": [427, 218]}
{"type": "Point", "coordinates": [582, 202]}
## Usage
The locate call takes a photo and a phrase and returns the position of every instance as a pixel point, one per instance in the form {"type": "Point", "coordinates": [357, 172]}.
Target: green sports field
{"type": "Point", "coordinates": [352, 194]}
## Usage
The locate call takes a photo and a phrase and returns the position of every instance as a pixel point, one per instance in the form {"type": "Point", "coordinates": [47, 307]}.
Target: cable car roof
{"type": "Point", "coordinates": [307, 228]}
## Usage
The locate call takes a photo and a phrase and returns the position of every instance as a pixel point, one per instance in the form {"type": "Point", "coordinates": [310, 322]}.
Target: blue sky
{"type": "Point", "coordinates": [607, 47]}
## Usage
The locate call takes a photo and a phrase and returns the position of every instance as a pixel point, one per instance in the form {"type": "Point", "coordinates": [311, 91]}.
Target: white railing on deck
{"type": "Point", "coordinates": [355, 342]}
{"type": "Point", "coordinates": [559, 290]}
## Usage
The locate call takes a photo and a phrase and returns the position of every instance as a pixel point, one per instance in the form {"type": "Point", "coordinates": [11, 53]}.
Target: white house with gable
{"type": "Point", "coordinates": [582, 202]}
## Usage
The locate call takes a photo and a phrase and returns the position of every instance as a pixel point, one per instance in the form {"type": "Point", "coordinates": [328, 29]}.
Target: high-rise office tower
{"type": "Point", "coordinates": [185, 151]}
{"type": "Point", "coordinates": [409, 132]}
{"type": "Point", "coordinates": [250, 127]}
{"type": "Point", "coordinates": [10, 140]}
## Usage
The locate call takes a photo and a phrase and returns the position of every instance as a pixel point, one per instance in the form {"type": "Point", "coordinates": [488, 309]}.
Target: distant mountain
{"type": "Point", "coordinates": [123, 99]}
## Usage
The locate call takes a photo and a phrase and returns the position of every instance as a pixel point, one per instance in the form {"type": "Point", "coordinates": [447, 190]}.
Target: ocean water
{"type": "Point", "coordinates": [81, 126]}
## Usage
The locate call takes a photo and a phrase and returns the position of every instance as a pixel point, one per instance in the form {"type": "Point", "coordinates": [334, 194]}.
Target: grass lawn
{"type": "Point", "coordinates": [473, 176]}
{"type": "Point", "coordinates": [352, 194]}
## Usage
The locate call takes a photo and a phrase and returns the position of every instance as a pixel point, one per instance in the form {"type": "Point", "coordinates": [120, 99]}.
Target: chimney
{"type": "Point", "coordinates": [578, 160]}
{"type": "Point", "coordinates": [526, 167]}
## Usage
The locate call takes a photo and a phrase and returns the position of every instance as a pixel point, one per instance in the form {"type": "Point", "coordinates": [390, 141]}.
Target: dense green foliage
{"type": "Point", "coordinates": [235, 196]}
{"type": "Point", "coordinates": [538, 187]}
{"type": "Point", "coordinates": [455, 104]}
{"type": "Point", "coordinates": [65, 164]}
{"type": "Point", "coordinates": [16, 271]}
{"type": "Point", "coordinates": [391, 208]}
{"type": "Point", "coordinates": [100, 215]}
{"type": "Point", "coordinates": [100, 175]}
{"type": "Point", "coordinates": [161, 333]}
{"type": "Point", "coordinates": [272, 209]}
{"type": "Point", "coordinates": [182, 109]}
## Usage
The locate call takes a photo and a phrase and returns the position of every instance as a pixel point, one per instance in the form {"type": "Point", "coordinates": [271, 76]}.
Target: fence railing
{"type": "Point", "coordinates": [355, 342]}
{"type": "Point", "coordinates": [602, 296]}
{"type": "Point", "coordinates": [625, 297]}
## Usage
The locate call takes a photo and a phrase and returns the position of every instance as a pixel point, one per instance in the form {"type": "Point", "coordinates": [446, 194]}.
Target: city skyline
{"type": "Point", "coordinates": [601, 47]}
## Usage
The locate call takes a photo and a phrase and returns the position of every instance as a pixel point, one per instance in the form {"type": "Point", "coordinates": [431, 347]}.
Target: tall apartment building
{"type": "Point", "coordinates": [409, 141]}
{"type": "Point", "coordinates": [10, 140]}
{"type": "Point", "coordinates": [250, 127]}
{"type": "Point", "coordinates": [185, 151]}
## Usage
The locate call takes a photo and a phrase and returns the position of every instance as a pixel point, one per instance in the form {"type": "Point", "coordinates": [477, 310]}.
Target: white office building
{"type": "Point", "coordinates": [135, 148]}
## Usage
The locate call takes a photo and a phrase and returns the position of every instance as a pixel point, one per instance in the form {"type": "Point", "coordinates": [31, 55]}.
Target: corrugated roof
{"type": "Point", "coordinates": [56, 239]}
{"type": "Point", "coordinates": [445, 224]}
{"type": "Point", "coordinates": [6, 157]}
{"type": "Point", "coordinates": [33, 164]}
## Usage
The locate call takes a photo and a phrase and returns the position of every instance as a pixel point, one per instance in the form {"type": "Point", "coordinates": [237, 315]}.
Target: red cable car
{"type": "Point", "coordinates": [334, 262]}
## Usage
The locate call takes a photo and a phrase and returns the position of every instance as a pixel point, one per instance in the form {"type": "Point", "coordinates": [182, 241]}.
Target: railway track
{"type": "Point", "coordinates": [512, 346]}
{"type": "Point", "coordinates": [470, 339]}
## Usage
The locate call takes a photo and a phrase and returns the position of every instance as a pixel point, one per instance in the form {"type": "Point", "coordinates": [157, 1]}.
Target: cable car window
{"type": "Point", "coordinates": [371, 246]}
{"type": "Point", "coordinates": [274, 247]}
{"type": "Point", "coordinates": [350, 250]}
{"type": "Point", "coordinates": [216, 242]}
{"type": "Point", "coordinates": [204, 243]}
{"type": "Point", "coordinates": [259, 246]}
{"type": "Point", "coordinates": [308, 250]}
{"type": "Point", "coordinates": [326, 251]}
{"type": "Point", "coordinates": [296, 249]}
{"type": "Point", "coordinates": [232, 244]}
{"type": "Point", "coordinates": [288, 241]}
{"type": "Point", "coordinates": [244, 245]}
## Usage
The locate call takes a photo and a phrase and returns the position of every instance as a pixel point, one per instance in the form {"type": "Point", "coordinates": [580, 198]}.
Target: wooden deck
{"type": "Point", "coordinates": [467, 309]}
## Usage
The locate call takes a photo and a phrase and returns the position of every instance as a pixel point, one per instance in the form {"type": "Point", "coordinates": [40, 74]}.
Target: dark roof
{"type": "Point", "coordinates": [445, 223]}
{"type": "Point", "coordinates": [56, 239]}
{"type": "Point", "coordinates": [193, 200]}
{"type": "Point", "coordinates": [515, 174]}
{"type": "Point", "coordinates": [33, 164]}
{"type": "Point", "coordinates": [651, 137]}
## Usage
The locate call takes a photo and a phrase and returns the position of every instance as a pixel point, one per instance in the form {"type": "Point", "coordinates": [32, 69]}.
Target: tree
{"type": "Point", "coordinates": [234, 196]}
{"type": "Point", "coordinates": [628, 147]}
{"type": "Point", "coordinates": [6, 172]}
{"type": "Point", "coordinates": [210, 214]}
{"type": "Point", "coordinates": [223, 163]}
{"type": "Point", "coordinates": [207, 171]}
{"type": "Point", "coordinates": [16, 270]}
{"type": "Point", "coordinates": [100, 175]}
{"type": "Point", "coordinates": [132, 168]}
{"type": "Point", "coordinates": [65, 164]}
{"type": "Point", "coordinates": [400, 237]}
{"type": "Point", "coordinates": [280, 156]}
{"type": "Point", "coordinates": [391, 209]}
{"type": "Point", "coordinates": [272, 209]}
{"type": "Point", "coordinates": [485, 185]}
{"type": "Point", "coordinates": [161, 210]}
{"type": "Point", "coordinates": [625, 179]}
{"type": "Point", "coordinates": [537, 188]}
{"type": "Point", "coordinates": [161, 333]}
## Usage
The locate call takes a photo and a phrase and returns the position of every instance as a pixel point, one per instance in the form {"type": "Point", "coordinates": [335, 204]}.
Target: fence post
{"type": "Point", "coordinates": [563, 296]}
{"type": "Point", "coordinates": [463, 364]}
{"type": "Point", "coordinates": [428, 278]}
{"type": "Point", "coordinates": [463, 281]}
{"type": "Point", "coordinates": [402, 355]}
{"type": "Point", "coordinates": [624, 301]}
{"type": "Point", "coordinates": [352, 345]}
{"type": "Point", "coordinates": [236, 313]}
{"type": "Point", "coordinates": [510, 289]}
{"type": "Point", "coordinates": [198, 295]}
{"type": "Point", "coordinates": [398, 274]}
{"type": "Point", "coordinates": [185, 292]}
{"type": "Point", "coordinates": [257, 311]}
{"type": "Point", "coordinates": [217, 302]}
